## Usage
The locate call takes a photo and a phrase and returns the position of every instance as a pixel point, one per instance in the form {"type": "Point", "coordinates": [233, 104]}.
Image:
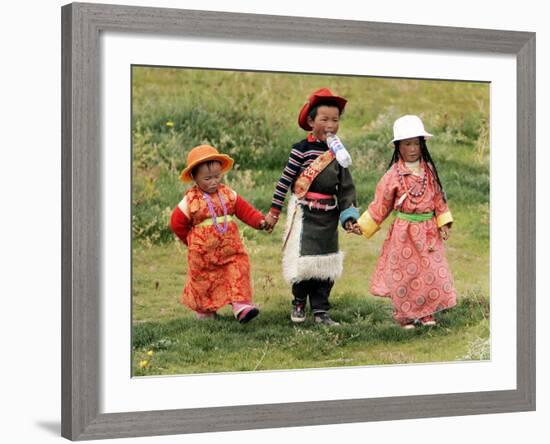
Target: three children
{"type": "Point", "coordinates": [412, 269]}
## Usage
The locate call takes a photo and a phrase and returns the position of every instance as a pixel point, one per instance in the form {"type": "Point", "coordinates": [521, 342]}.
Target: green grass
{"type": "Point", "coordinates": [368, 335]}
{"type": "Point", "coordinates": [252, 117]}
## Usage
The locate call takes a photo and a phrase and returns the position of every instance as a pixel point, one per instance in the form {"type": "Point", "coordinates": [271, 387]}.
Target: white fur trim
{"type": "Point", "coordinates": [298, 268]}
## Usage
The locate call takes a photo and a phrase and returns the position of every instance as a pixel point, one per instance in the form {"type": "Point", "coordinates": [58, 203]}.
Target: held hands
{"type": "Point", "coordinates": [352, 227]}
{"type": "Point", "coordinates": [270, 222]}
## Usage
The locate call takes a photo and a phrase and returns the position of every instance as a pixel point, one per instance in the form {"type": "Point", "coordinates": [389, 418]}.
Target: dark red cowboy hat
{"type": "Point", "coordinates": [314, 99]}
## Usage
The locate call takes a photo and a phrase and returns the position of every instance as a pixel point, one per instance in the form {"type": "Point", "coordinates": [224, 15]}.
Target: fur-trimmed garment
{"type": "Point", "coordinates": [311, 248]}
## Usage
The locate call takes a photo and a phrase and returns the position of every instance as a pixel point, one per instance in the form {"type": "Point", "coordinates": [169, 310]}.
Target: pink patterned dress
{"type": "Point", "coordinates": [412, 268]}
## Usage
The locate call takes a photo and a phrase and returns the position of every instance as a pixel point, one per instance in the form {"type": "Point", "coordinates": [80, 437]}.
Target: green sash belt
{"type": "Point", "coordinates": [219, 220]}
{"type": "Point", "coordinates": [413, 217]}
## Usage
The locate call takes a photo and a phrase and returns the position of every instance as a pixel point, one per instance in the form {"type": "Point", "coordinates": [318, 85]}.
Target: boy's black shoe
{"type": "Point", "coordinates": [298, 313]}
{"type": "Point", "coordinates": [324, 319]}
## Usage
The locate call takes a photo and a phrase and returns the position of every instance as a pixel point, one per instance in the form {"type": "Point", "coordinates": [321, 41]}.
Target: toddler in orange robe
{"type": "Point", "coordinates": [218, 265]}
{"type": "Point", "coordinates": [412, 268]}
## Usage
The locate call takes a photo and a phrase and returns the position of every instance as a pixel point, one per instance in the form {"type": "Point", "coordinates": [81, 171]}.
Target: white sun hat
{"type": "Point", "coordinates": [407, 127]}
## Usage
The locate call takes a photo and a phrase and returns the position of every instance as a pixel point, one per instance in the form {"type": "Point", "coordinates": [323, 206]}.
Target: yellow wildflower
{"type": "Point", "coordinates": [169, 124]}
{"type": "Point", "coordinates": [143, 364]}
{"type": "Point", "coordinates": [150, 353]}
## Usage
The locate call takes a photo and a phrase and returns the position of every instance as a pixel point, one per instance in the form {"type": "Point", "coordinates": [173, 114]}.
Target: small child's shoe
{"type": "Point", "coordinates": [428, 321]}
{"type": "Point", "coordinates": [244, 312]}
{"type": "Point", "coordinates": [206, 315]}
{"type": "Point", "coordinates": [298, 313]}
{"type": "Point", "coordinates": [407, 324]}
{"type": "Point", "coordinates": [324, 319]}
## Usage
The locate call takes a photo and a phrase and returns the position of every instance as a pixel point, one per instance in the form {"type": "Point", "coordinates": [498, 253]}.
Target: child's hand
{"type": "Point", "coordinates": [445, 232]}
{"type": "Point", "coordinates": [270, 222]}
{"type": "Point", "coordinates": [353, 227]}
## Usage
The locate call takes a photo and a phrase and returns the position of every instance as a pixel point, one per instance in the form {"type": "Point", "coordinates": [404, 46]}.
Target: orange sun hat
{"type": "Point", "coordinates": [314, 99]}
{"type": "Point", "coordinates": [201, 154]}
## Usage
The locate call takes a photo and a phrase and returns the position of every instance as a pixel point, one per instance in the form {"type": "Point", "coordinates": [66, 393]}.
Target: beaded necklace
{"type": "Point", "coordinates": [220, 229]}
{"type": "Point", "coordinates": [409, 191]}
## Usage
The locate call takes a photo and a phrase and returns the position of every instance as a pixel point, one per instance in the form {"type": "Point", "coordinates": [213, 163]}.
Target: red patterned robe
{"type": "Point", "coordinates": [412, 268]}
{"type": "Point", "coordinates": [218, 266]}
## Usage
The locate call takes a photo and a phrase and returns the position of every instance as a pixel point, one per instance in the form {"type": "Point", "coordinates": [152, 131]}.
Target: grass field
{"type": "Point", "coordinates": [252, 117]}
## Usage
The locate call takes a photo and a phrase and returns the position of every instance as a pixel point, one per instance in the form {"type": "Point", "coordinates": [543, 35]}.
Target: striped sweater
{"type": "Point", "coordinates": [301, 156]}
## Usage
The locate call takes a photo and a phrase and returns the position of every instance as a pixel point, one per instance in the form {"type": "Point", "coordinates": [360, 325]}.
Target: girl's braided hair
{"type": "Point", "coordinates": [425, 154]}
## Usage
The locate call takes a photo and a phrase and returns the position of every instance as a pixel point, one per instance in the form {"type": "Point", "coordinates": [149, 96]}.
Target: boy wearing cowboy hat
{"type": "Point", "coordinates": [323, 194]}
{"type": "Point", "coordinates": [218, 265]}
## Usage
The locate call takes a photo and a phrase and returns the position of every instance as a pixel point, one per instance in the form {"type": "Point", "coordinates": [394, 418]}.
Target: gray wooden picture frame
{"type": "Point", "coordinates": [82, 25]}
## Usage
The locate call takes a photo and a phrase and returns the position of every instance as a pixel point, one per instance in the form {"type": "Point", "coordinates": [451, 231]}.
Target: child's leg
{"type": "Point", "coordinates": [320, 292]}
{"type": "Point", "coordinates": [300, 291]}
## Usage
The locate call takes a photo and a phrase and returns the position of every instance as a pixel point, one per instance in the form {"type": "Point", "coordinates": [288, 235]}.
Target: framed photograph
{"type": "Point", "coordinates": [136, 363]}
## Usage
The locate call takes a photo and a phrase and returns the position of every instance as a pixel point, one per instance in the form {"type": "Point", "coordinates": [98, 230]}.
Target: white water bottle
{"type": "Point", "coordinates": [339, 150]}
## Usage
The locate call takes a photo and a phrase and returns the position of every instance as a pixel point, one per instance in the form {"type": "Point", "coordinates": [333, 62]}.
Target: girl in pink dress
{"type": "Point", "coordinates": [412, 268]}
